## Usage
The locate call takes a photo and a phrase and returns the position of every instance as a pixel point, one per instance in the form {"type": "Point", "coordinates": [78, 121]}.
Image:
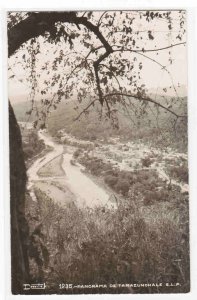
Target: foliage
{"type": "Point", "coordinates": [111, 180]}
{"type": "Point", "coordinates": [77, 153]}
{"type": "Point", "coordinates": [146, 162]}
{"type": "Point", "coordinates": [104, 51]}
{"type": "Point", "coordinates": [89, 126]}
{"type": "Point", "coordinates": [31, 144]}
{"type": "Point", "coordinates": [146, 183]}
{"type": "Point", "coordinates": [179, 172]}
{"type": "Point", "coordinates": [117, 246]}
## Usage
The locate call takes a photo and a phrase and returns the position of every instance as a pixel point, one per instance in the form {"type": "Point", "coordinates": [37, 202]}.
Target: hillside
{"type": "Point", "coordinates": [21, 110]}
{"type": "Point", "coordinates": [132, 121]}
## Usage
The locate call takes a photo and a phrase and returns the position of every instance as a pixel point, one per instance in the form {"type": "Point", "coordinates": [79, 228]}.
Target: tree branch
{"type": "Point", "coordinates": [96, 67]}
{"type": "Point", "coordinates": [145, 99]}
{"type": "Point", "coordinates": [85, 109]}
{"type": "Point", "coordinates": [150, 50]}
{"type": "Point", "coordinates": [99, 21]}
{"type": "Point", "coordinates": [155, 61]}
{"type": "Point", "coordinates": [103, 65]}
{"type": "Point", "coordinates": [39, 23]}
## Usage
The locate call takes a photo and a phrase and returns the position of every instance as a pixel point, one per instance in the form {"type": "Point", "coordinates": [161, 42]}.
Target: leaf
{"type": "Point", "coordinates": [151, 37]}
{"type": "Point", "coordinates": [179, 37]}
{"type": "Point", "coordinates": [104, 80]}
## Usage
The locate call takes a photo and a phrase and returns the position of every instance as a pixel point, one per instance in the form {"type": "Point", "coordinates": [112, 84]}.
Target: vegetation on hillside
{"type": "Point", "coordinates": [32, 145]}
{"type": "Point", "coordinates": [179, 172]}
{"type": "Point", "coordinates": [148, 128]}
{"type": "Point", "coordinates": [131, 244]}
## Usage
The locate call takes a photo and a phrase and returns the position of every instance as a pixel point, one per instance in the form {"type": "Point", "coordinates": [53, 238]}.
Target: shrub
{"type": "Point", "coordinates": [28, 151]}
{"type": "Point", "coordinates": [149, 198]}
{"type": "Point", "coordinates": [146, 162]}
{"type": "Point", "coordinates": [77, 153]}
{"type": "Point", "coordinates": [93, 137]}
{"type": "Point", "coordinates": [108, 246]}
{"type": "Point", "coordinates": [111, 171]}
{"type": "Point", "coordinates": [122, 186]}
{"type": "Point", "coordinates": [32, 145]}
{"type": "Point", "coordinates": [179, 172]}
{"type": "Point", "coordinates": [111, 180]}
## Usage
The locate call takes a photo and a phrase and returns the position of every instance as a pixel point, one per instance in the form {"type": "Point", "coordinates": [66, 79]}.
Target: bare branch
{"type": "Point", "coordinates": [85, 109]}
{"type": "Point", "coordinates": [145, 99]}
{"type": "Point", "coordinates": [151, 50]}
{"type": "Point", "coordinates": [99, 21]}
{"type": "Point", "coordinates": [84, 13]}
{"type": "Point", "coordinates": [155, 61]}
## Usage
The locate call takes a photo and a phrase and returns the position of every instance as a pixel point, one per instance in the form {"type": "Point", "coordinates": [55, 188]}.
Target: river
{"type": "Point", "coordinates": [83, 190]}
{"type": "Point", "coordinates": [87, 193]}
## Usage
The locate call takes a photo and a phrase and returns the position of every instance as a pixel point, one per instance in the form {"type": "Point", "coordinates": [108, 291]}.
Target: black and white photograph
{"type": "Point", "coordinates": [98, 151]}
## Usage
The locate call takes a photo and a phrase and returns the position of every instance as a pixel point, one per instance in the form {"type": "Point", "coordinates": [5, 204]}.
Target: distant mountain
{"type": "Point", "coordinates": [18, 98]}
{"type": "Point", "coordinates": [21, 110]}
{"type": "Point", "coordinates": [63, 117]}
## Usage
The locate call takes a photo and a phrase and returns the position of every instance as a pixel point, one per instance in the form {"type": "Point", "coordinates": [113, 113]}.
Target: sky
{"type": "Point", "coordinates": [152, 75]}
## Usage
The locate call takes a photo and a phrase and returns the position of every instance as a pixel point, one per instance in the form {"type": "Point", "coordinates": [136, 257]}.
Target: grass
{"type": "Point", "coordinates": [131, 244]}
{"type": "Point", "coordinates": [180, 172]}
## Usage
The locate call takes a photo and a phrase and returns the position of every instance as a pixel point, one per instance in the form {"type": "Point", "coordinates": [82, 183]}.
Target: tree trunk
{"type": "Point", "coordinates": [34, 25]}
{"type": "Point", "coordinates": [19, 227]}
